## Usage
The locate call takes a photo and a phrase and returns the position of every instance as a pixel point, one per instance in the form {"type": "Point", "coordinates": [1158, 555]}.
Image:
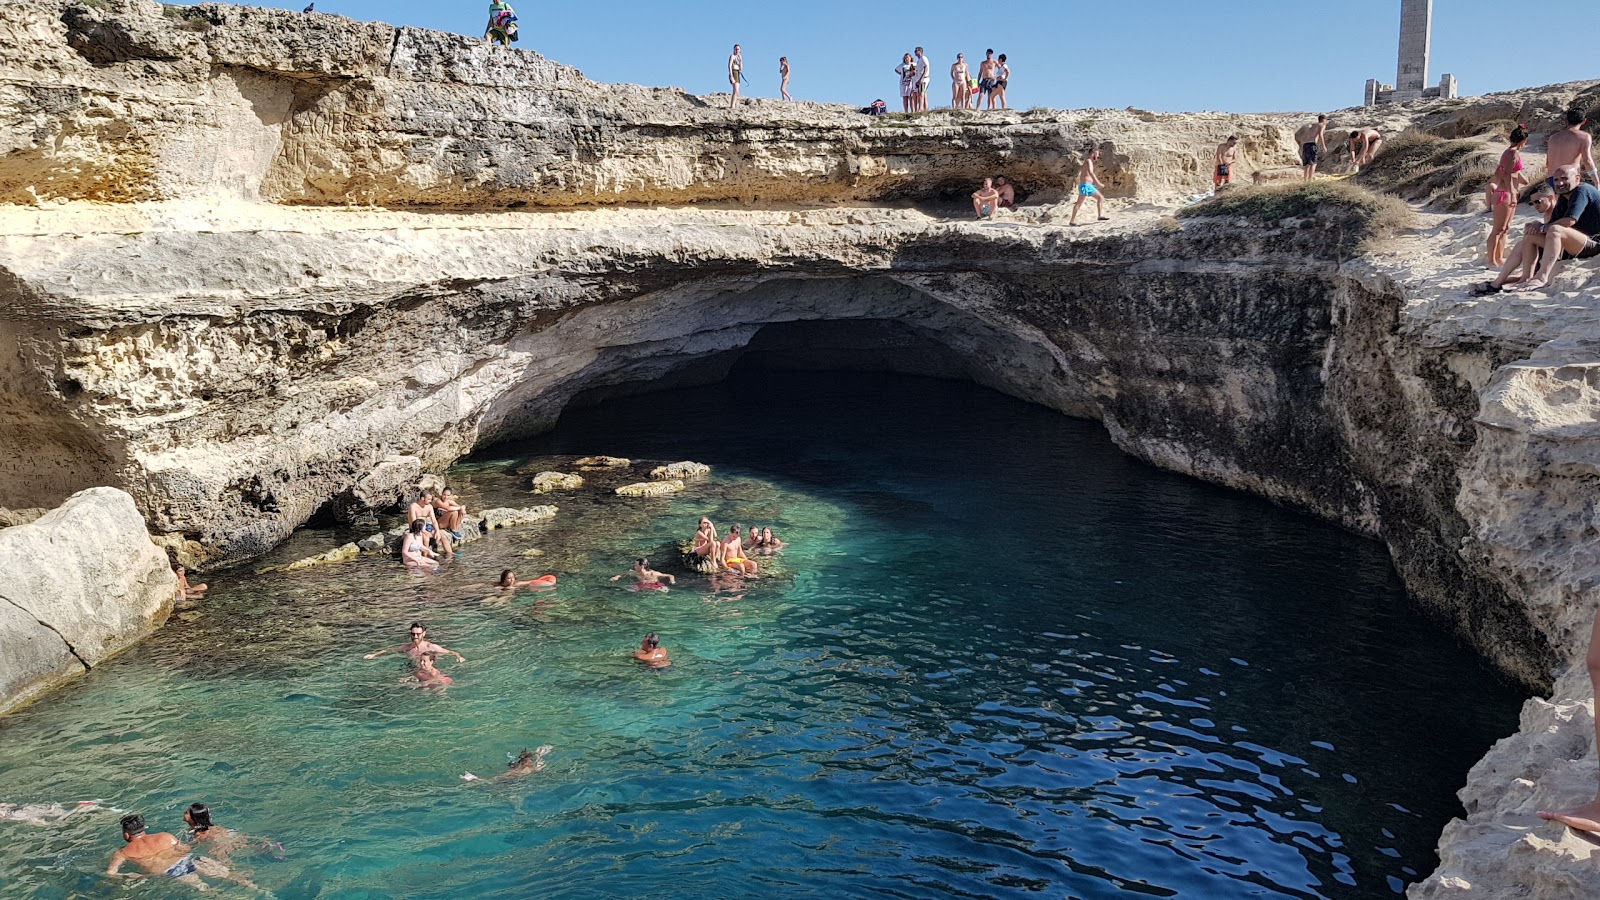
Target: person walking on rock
{"type": "Point", "coordinates": [1089, 186]}
{"type": "Point", "coordinates": [783, 77]}
{"type": "Point", "coordinates": [735, 74]}
{"type": "Point", "coordinates": [1313, 143]}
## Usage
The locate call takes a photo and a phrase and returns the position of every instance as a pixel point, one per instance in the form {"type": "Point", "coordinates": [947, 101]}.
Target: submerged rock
{"type": "Point", "coordinates": [650, 489]}
{"type": "Point", "coordinates": [603, 462]}
{"type": "Point", "coordinates": [679, 471]}
{"type": "Point", "coordinates": [505, 516]}
{"type": "Point", "coordinates": [545, 482]}
{"type": "Point", "coordinates": [336, 555]}
{"type": "Point", "coordinates": [82, 582]}
{"type": "Point", "coordinates": [693, 561]}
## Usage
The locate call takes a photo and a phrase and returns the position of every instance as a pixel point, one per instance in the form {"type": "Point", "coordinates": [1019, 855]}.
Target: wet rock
{"type": "Point", "coordinates": [603, 462]}
{"type": "Point", "coordinates": [336, 555]}
{"type": "Point", "coordinates": [545, 482]}
{"type": "Point", "coordinates": [377, 543]}
{"type": "Point", "coordinates": [650, 489]}
{"type": "Point", "coordinates": [679, 471]}
{"type": "Point", "coordinates": [82, 582]}
{"type": "Point", "coordinates": [532, 552]}
{"type": "Point", "coordinates": [506, 517]}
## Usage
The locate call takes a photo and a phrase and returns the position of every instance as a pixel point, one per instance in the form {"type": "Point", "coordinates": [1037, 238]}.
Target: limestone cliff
{"type": "Point", "coordinates": [82, 582]}
{"type": "Point", "coordinates": [257, 264]}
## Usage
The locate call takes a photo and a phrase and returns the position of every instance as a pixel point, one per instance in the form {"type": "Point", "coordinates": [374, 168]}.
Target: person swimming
{"type": "Point", "coordinates": [527, 763]}
{"type": "Point", "coordinates": [646, 578]}
{"type": "Point", "coordinates": [42, 814]}
{"type": "Point", "coordinates": [508, 579]}
{"type": "Point", "coordinates": [651, 652]}
{"type": "Point", "coordinates": [770, 543]}
{"type": "Point", "coordinates": [733, 554]}
{"type": "Point", "coordinates": [427, 673]}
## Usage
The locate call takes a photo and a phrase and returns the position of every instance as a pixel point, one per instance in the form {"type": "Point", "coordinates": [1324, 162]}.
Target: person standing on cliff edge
{"type": "Point", "coordinates": [735, 74]}
{"type": "Point", "coordinates": [1585, 817]}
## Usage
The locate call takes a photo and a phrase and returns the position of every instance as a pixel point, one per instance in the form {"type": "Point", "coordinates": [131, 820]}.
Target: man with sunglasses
{"type": "Point", "coordinates": [418, 645]}
{"type": "Point", "coordinates": [1573, 232]}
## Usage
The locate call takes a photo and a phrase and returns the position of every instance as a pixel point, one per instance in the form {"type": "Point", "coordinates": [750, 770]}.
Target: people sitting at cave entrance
{"type": "Point", "coordinates": [646, 578]}
{"type": "Point", "coordinates": [187, 591]}
{"type": "Point", "coordinates": [526, 763]}
{"type": "Point", "coordinates": [418, 645]}
{"type": "Point", "coordinates": [986, 200]}
{"type": "Point", "coordinates": [414, 550]}
{"type": "Point", "coordinates": [421, 510]}
{"type": "Point", "coordinates": [427, 674]}
{"type": "Point", "coordinates": [652, 653]}
{"type": "Point", "coordinates": [706, 543]}
{"type": "Point", "coordinates": [733, 556]}
{"type": "Point", "coordinates": [450, 512]}
{"type": "Point", "coordinates": [1007, 191]}
{"type": "Point", "coordinates": [1587, 816]}
{"type": "Point", "coordinates": [1570, 233]}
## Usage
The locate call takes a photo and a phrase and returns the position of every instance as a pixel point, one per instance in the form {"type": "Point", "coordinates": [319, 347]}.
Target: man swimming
{"type": "Point", "coordinates": [646, 578]}
{"type": "Point", "coordinates": [427, 673]}
{"type": "Point", "coordinates": [42, 814]}
{"type": "Point", "coordinates": [158, 854]}
{"type": "Point", "coordinates": [1313, 143]}
{"type": "Point", "coordinates": [652, 653]}
{"type": "Point", "coordinates": [418, 645]}
{"type": "Point", "coordinates": [527, 763]}
{"type": "Point", "coordinates": [422, 510]}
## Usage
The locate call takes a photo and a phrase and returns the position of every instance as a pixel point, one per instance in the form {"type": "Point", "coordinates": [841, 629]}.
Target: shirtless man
{"type": "Point", "coordinates": [960, 95]}
{"type": "Point", "coordinates": [646, 578]}
{"type": "Point", "coordinates": [158, 854]}
{"type": "Point", "coordinates": [427, 673]}
{"type": "Point", "coordinates": [1008, 193]}
{"type": "Point", "coordinates": [1572, 147]}
{"type": "Point", "coordinates": [735, 74]}
{"type": "Point", "coordinates": [1089, 186]}
{"type": "Point", "coordinates": [418, 645]}
{"type": "Point", "coordinates": [42, 814]}
{"type": "Point", "coordinates": [733, 547]}
{"type": "Point", "coordinates": [421, 510]}
{"type": "Point", "coordinates": [526, 763]}
{"type": "Point", "coordinates": [924, 78]}
{"type": "Point", "coordinates": [1313, 143]}
{"type": "Point", "coordinates": [1587, 816]}
{"type": "Point", "coordinates": [986, 200]}
{"type": "Point", "coordinates": [1227, 152]}
{"type": "Point", "coordinates": [651, 652]}
{"type": "Point", "coordinates": [783, 77]}
{"type": "Point", "coordinates": [1364, 144]}
{"type": "Point", "coordinates": [988, 74]}
{"type": "Point", "coordinates": [1574, 230]}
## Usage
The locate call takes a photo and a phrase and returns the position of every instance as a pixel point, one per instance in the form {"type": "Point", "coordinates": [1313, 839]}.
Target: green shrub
{"type": "Point", "coordinates": [1359, 216]}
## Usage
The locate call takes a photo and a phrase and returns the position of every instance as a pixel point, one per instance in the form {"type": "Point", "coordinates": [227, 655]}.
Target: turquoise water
{"type": "Point", "coordinates": [998, 659]}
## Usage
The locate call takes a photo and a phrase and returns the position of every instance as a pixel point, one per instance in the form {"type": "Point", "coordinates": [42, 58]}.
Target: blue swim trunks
{"type": "Point", "coordinates": [182, 867]}
{"type": "Point", "coordinates": [1087, 190]}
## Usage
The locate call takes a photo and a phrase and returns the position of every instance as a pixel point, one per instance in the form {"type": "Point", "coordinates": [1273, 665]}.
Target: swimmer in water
{"type": "Point", "coordinates": [770, 542]}
{"type": "Point", "coordinates": [43, 814]}
{"type": "Point", "coordinates": [218, 841]}
{"type": "Point", "coordinates": [733, 554]}
{"type": "Point", "coordinates": [651, 652]}
{"type": "Point", "coordinates": [158, 854]}
{"type": "Point", "coordinates": [706, 544]}
{"type": "Point", "coordinates": [508, 579]}
{"type": "Point", "coordinates": [527, 763]}
{"type": "Point", "coordinates": [418, 645]}
{"type": "Point", "coordinates": [428, 674]}
{"type": "Point", "coordinates": [646, 578]}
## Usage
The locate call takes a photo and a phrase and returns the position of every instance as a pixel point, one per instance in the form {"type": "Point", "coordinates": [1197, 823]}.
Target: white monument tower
{"type": "Point", "coordinates": [1411, 75]}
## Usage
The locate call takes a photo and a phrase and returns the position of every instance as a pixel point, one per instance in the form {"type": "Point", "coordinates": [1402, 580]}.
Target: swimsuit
{"type": "Point", "coordinates": [1223, 171]}
{"type": "Point", "coordinates": [1589, 251]}
{"type": "Point", "coordinates": [1308, 154]}
{"type": "Point", "coordinates": [1087, 190]}
{"type": "Point", "coordinates": [736, 559]}
{"type": "Point", "coordinates": [649, 585]}
{"type": "Point", "coordinates": [986, 85]}
{"type": "Point", "coordinates": [182, 867]}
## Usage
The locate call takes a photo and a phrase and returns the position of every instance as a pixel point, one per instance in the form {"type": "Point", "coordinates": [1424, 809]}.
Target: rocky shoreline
{"type": "Point", "coordinates": [205, 301]}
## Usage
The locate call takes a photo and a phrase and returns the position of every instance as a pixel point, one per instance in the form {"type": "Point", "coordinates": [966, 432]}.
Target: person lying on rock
{"type": "Point", "coordinates": [526, 763]}
{"type": "Point", "coordinates": [1587, 816]}
{"type": "Point", "coordinates": [418, 645]}
{"type": "Point", "coordinates": [646, 578]}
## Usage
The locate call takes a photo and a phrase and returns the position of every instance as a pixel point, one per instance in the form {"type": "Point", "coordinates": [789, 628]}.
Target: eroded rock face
{"type": "Point", "coordinates": [82, 582]}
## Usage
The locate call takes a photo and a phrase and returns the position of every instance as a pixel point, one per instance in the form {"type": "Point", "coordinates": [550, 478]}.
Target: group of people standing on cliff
{"type": "Point", "coordinates": [967, 89]}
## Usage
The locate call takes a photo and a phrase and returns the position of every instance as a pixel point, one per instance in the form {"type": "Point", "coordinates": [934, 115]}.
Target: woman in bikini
{"type": "Point", "coordinates": [706, 543]}
{"type": "Point", "coordinates": [414, 550]}
{"type": "Point", "coordinates": [1503, 191]}
{"type": "Point", "coordinates": [770, 542]}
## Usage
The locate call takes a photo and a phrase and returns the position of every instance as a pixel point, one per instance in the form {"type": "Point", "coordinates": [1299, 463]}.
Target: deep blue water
{"type": "Point", "coordinates": [999, 659]}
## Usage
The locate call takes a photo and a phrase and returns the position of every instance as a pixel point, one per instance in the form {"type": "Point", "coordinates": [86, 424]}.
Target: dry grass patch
{"type": "Point", "coordinates": [1422, 168]}
{"type": "Point", "coordinates": [1358, 217]}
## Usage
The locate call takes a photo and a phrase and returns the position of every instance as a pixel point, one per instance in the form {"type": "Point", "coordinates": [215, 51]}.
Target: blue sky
{"type": "Point", "coordinates": [1155, 54]}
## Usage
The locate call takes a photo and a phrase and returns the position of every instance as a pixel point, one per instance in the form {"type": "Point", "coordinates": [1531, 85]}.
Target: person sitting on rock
{"type": "Point", "coordinates": [1007, 191]}
{"type": "Point", "coordinates": [1525, 256]}
{"type": "Point", "coordinates": [450, 512]}
{"type": "Point", "coordinates": [414, 550]}
{"type": "Point", "coordinates": [421, 510]}
{"type": "Point", "coordinates": [187, 591]}
{"type": "Point", "coordinates": [706, 544]}
{"type": "Point", "coordinates": [527, 763]}
{"type": "Point", "coordinates": [646, 578]}
{"type": "Point", "coordinates": [733, 554]}
{"type": "Point", "coordinates": [1573, 233]}
{"type": "Point", "coordinates": [986, 200]}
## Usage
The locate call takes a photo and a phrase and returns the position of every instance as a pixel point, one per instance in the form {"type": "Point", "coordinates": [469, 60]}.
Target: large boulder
{"type": "Point", "coordinates": [82, 582]}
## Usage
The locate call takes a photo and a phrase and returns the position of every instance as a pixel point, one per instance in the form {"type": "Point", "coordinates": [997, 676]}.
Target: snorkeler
{"type": "Point", "coordinates": [733, 554]}
{"type": "Point", "coordinates": [526, 763]}
{"type": "Point", "coordinates": [646, 578]}
{"type": "Point", "coordinates": [706, 543]}
{"type": "Point", "coordinates": [652, 653]}
{"type": "Point", "coordinates": [418, 645]}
